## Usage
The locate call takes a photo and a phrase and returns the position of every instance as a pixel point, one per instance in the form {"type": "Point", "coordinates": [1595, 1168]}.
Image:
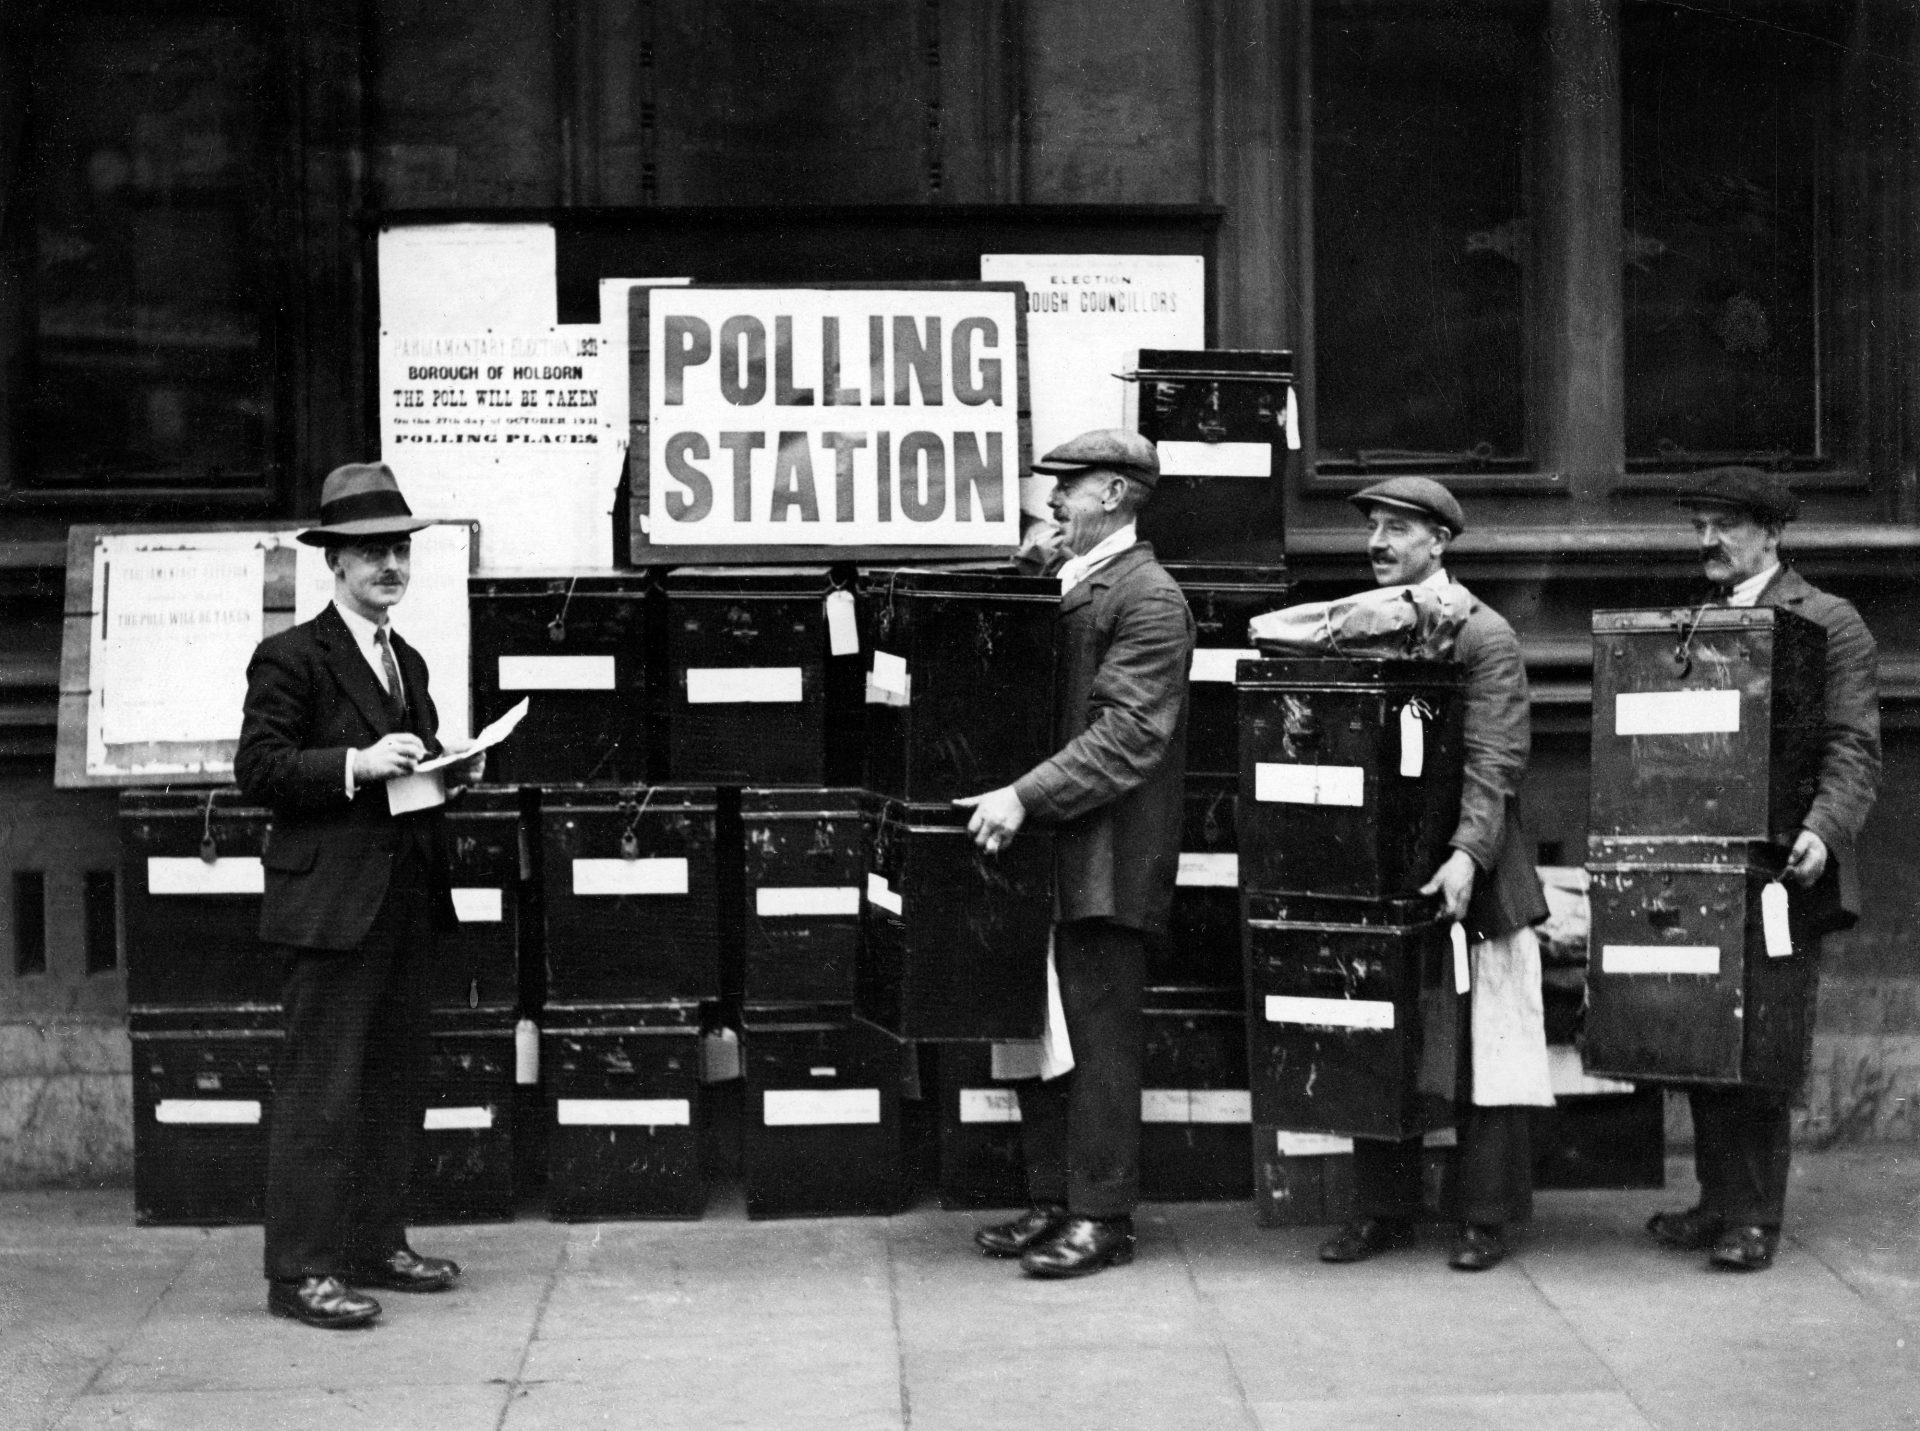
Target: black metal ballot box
{"type": "Point", "coordinates": [821, 1134]}
{"type": "Point", "coordinates": [804, 857]}
{"type": "Point", "coordinates": [632, 894]}
{"type": "Point", "coordinates": [748, 675]}
{"type": "Point", "coordinates": [1201, 949]}
{"type": "Point", "coordinates": [1707, 722]}
{"type": "Point", "coordinates": [1356, 1016]}
{"type": "Point", "coordinates": [1223, 599]}
{"type": "Point", "coordinates": [959, 680]}
{"type": "Point", "coordinates": [1686, 981]}
{"type": "Point", "coordinates": [463, 1158]}
{"type": "Point", "coordinates": [1195, 1110]}
{"type": "Point", "coordinates": [1350, 773]}
{"type": "Point", "coordinates": [1219, 420]}
{"type": "Point", "coordinates": [575, 647]}
{"type": "Point", "coordinates": [981, 1163]}
{"type": "Point", "coordinates": [1600, 1140]}
{"type": "Point", "coordinates": [1301, 1179]}
{"type": "Point", "coordinates": [956, 939]}
{"type": "Point", "coordinates": [202, 1095]}
{"type": "Point", "coordinates": [624, 1085]}
{"type": "Point", "coordinates": [191, 879]}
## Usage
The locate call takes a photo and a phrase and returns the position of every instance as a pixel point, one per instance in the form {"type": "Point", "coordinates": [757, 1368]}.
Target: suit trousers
{"type": "Point", "coordinates": [1081, 1132]}
{"type": "Point", "coordinates": [1741, 1153]}
{"type": "Point", "coordinates": [350, 1089]}
{"type": "Point", "coordinates": [1492, 1167]}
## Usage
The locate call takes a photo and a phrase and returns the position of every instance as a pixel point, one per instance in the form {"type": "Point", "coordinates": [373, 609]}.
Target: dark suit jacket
{"type": "Point", "coordinates": [310, 697]}
{"type": "Point", "coordinates": [1850, 762]}
{"type": "Point", "coordinates": [1115, 787]}
{"type": "Point", "coordinates": [1498, 738]}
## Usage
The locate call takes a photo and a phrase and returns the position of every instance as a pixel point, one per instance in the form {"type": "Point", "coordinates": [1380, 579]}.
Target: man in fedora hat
{"type": "Point", "coordinates": [1741, 1151]}
{"type": "Point", "coordinates": [355, 894]}
{"type": "Point", "coordinates": [1113, 794]}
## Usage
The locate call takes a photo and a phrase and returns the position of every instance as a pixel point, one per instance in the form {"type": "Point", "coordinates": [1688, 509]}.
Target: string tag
{"type": "Point", "coordinates": [1773, 920]}
{"type": "Point", "coordinates": [1462, 977]}
{"type": "Point", "coordinates": [1413, 741]}
{"type": "Point", "coordinates": [526, 1053]}
{"type": "Point", "coordinates": [843, 632]}
{"type": "Point", "coordinates": [1291, 421]}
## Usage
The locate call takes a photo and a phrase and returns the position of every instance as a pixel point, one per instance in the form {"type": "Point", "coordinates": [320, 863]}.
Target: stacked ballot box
{"type": "Point", "coordinates": [1707, 733]}
{"type": "Point", "coordinates": [804, 873]}
{"type": "Point", "coordinates": [1224, 600]}
{"type": "Point", "coordinates": [1201, 949]}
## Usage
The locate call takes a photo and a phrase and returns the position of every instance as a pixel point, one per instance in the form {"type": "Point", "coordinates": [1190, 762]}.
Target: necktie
{"type": "Point", "coordinates": [396, 694]}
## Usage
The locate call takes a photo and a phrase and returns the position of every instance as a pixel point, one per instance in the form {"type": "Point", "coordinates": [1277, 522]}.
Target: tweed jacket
{"type": "Point", "coordinates": [1114, 789]}
{"type": "Point", "coordinates": [1850, 761]}
{"type": "Point", "coordinates": [311, 696]}
{"type": "Point", "coordinates": [1506, 895]}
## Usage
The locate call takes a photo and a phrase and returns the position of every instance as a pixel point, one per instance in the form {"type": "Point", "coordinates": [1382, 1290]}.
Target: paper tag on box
{"type": "Point", "coordinates": [890, 672]}
{"type": "Point", "coordinates": [1413, 742]}
{"type": "Point", "coordinates": [1773, 920]}
{"type": "Point", "coordinates": [1462, 977]}
{"type": "Point", "coordinates": [843, 631]}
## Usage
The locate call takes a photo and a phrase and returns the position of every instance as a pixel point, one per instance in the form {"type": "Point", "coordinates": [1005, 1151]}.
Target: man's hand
{"type": "Point", "coordinates": [1808, 861]}
{"type": "Point", "coordinates": [997, 817]}
{"type": "Point", "coordinates": [387, 757]}
{"type": "Point", "coordinates": [1453, 882]}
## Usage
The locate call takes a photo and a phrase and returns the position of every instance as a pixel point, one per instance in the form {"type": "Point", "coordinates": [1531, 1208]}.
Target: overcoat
{"type": "Point", "coordinates": [311, 696]}
{"type": "Point", "coordinates": [1114, 788]}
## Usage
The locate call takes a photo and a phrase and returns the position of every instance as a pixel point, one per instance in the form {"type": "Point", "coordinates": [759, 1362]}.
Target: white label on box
{"type": "Point", "coordinates": [1773, 920]}
{"type": "Point", "coordinates": [802, 899]}
{"type": "Point", "coordinates": [989, 1105]}
{"type": "Point", "coordinates": [1440, 1138]}
{"type": "Point", "coordinates": [207, 1110]}
{"type": "Point", "coordinates": [1311, 1145]}
{"type": "Point", "coordinates": [616, 877]}
{"type": "Point", "coordinates": [744, 685]}
{"type": "Point", "coordinates": [439, 1120]}
{"type": "Point", "coordinates": [1310, 784]}
{"type": "Point", "coordinates": [477, 906]}
{"type": "Point", "coordinates": [1413, 742]}
{"type": "Point", "coordinates": [1196, 1105]}
{"type": "Point", "coordinates": [1217, 663]}
{"type": "Point", "coordinates": [1659, 959]}
{"type": "Point", "coordinates": [1164, 1105]}
{"type": "Point", "coordinates": [889, 673]}
{"type": "Point", "coordinates": [1208, 871]}
{"type": "Point", "coordinates": [881, 894]}
{"type": "Point", "coordinates": [237, 874]}
{"type": "Point", "coordinates": [556, 673]}
{"type": "Point", "coordinates": [810, 1107]}
{"type": "Point", "coordinates": [623, 1112]}
{"type": "Point", "coordinates": [1567, 1079]}
{"type": "Point", "coordinates": [843, 631]}
{"type": "Point", "coordinates": [1018, 1058]}
{"type": "Point", "coordinates": [1216, 459]}
{"type": "Point", "coordinates": [1330, 1013]}
{"type": "Point", "coordinates": [1676, 712]}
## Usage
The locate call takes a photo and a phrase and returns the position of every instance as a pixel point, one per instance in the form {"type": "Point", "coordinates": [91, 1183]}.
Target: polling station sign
{"type": "Point", "coordinates": [834, 417]}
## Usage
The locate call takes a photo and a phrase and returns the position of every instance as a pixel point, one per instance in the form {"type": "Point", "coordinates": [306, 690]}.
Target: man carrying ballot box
{"type": "Point", "coordinates": [1741, 1151]}
{"type": "Point", "coordinates": [1113, 793]}
{"type": "Point", "coordinates": [355, 893]}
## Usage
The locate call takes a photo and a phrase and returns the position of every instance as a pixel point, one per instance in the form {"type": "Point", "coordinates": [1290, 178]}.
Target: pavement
{"type": "Point", "coordinates": [860, 1324]}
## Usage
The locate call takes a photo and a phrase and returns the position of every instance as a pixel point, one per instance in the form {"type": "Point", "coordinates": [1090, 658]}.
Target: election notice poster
{"type": "Point", "coordinates": [833, 417]}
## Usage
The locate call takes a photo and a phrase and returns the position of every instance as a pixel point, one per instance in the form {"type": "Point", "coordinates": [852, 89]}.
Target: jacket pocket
{"type": "Point", "coordinates": [290, 852]}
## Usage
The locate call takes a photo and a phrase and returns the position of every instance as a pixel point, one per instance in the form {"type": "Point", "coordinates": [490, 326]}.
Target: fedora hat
{"type": "Point", "coordinates": [361, 500]}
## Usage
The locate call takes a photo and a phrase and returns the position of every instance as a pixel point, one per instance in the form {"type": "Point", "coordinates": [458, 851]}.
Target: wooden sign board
{"type": "Point", "coordinates": [161, 621]}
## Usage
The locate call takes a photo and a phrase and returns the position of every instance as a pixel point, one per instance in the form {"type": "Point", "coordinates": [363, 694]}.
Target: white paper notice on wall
{"type": "Point", "coordinates": [207, 1110]}
{"type": "Point", "coordinates": [1218, 663]}
{"type": "Point", "coordinates": [1216, 459]}
{"type": "Point", "coordinates": [1310, 784]}
{"type": "Point", "coordinates": [1462, 966]}
{"type": "Point", "coordinates": [619, 877]}
{"type": "Point", "coordinates": [557, 673]}
{"type": "Point", "coordinates": [813, 1107]}
{"type": "Point", "coordinates": [1329, 1013]}
{"type": "Point", "coordinates": [1773, 920]}
{"type": "Point", "coordinates": [1205, 870]}
{"type": "Point", "coordinates": [744, 685]}
{"type": "Point", "coordinates": [235, 874]}
{"type": "Point", "coordinates": [474, 905]}
{"type": "Point", "coordinates": [446, 1120]}
{"type": "Point", "coordinates": [880, 894]}
{"type": "Point", "coordinates": [1413, 742]}
{"type": "Point", "coordinates": [843, 631]}
{"type": "Point", "coordinates": [989, 1105]}
{"type": "Point", "coordinates": [781, 901]}
{"type": "Point", "coordinates": [1676, 712]}
{"type": "Point", "coordinates": [623, 1112]}
{"type": "Point", "coordinates": [1311, 1145]}
{"type": "Point", "coordinates": [1659, 959]}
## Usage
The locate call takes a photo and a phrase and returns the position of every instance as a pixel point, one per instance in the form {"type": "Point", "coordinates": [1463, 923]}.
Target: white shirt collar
{"type": "Point", "coordinates": [1078, 569]}
{"type": "Point", "coordinates": [362, 631]}
{"type": "Point", "coordinates": [1747, 593]}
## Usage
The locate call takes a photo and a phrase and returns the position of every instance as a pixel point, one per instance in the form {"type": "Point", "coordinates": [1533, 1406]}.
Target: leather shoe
{"type": "Point", "coordinates": [1745, 1249]}
{"type": "Point", "coordinates": [1477, 1248]}
{"type": "Point", "coordinates": [1010, 1239]}
{"type": "Point", "coordinates": [1364, 1236]}
{"type": "Point", "coordinates": [1694, 1230]}
{"type": "Point", "coordinates": [1079, 1246]}
{"type": "Point", "coordinates": [404, 1270]}
{"type": "Point", "coordinates": [321, 1302]}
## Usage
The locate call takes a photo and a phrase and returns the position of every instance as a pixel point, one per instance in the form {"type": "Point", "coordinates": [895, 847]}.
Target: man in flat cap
{"type": "Point", "coordinates": [1741, 1151]}
{"type": "Point", "coordinates": [1487, 883]}
{"type": "Point", "coordinates": [1113, 794]}
{"type": "Point", "coordinates": [337, 708]}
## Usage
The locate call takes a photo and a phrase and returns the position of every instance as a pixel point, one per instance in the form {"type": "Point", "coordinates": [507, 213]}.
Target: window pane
{"type": "Point", "coordinates": [1421, 232]}
{"type": "Point", "coordinates": [150, 203]}
{"type": "Point", "coordinates": [1724, 148]}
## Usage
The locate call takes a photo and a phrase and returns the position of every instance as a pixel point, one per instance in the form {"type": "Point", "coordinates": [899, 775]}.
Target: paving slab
{"type": "Point", "coordinates": [382, 1408]}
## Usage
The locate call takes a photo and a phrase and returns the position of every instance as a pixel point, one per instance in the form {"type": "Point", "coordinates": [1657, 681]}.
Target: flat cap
{"type": "Point", "coordinates": [1765, 495]}
{"type": "Point", "coordinates": [1113, 448]}
{"type": "Point", "coordinates": [1415, 494]}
